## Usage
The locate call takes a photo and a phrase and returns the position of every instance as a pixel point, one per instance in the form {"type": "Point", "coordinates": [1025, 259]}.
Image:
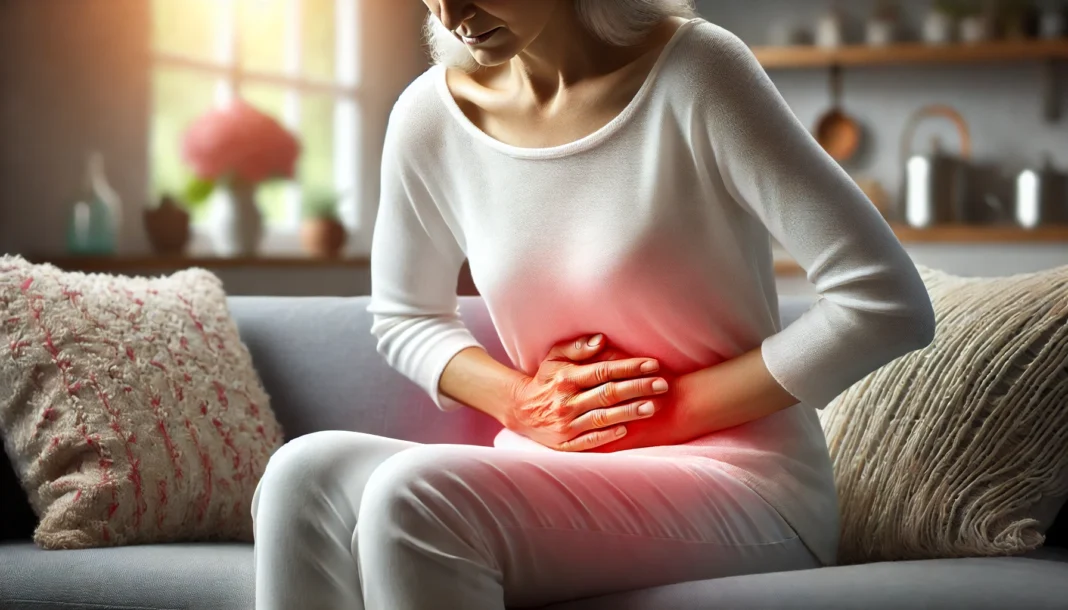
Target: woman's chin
{"type": "Point", "coordinates": [491, 59]}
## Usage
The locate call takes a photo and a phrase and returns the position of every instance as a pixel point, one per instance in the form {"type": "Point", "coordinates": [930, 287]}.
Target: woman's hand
{"type": "Point", "coordinates": [674, 422]}
{"type": "Point", "coordinates": [571, 406]}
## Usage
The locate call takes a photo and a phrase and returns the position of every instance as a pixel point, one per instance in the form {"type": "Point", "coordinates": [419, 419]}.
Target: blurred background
{"type": "Point", "coordinates": [949, 114]}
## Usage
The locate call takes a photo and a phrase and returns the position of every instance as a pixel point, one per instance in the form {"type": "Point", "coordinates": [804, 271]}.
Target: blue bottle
{"type": "Point", "coordinates": [92, 223]}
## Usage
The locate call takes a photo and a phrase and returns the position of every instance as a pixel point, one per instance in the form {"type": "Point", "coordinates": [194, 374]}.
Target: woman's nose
{"type": "Point", "coordinates": [455, 12]}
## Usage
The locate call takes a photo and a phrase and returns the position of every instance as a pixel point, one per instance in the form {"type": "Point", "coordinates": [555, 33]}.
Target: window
{"type": "Point", "coordinates": [293, 59]}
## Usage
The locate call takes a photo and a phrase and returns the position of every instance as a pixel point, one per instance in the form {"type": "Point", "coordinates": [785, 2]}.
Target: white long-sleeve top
{"type": "Point", "coordinates": [655, 230]}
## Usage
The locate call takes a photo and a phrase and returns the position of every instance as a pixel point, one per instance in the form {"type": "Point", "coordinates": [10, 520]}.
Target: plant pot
{"type": "Point", "coordinates": [323, 237]}
{"type": "Point", "coordinates": [167, 227]}
{"type": "Point", "coordinates": [236, 223]}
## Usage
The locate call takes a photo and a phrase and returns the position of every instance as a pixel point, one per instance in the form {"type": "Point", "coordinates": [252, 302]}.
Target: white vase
{"type": "Point", "coordinates": [975, 29]}
{"type": "Point", "coordinates": [881, 32]}
{"type": "Point", "coordinates": [937, 28]}
{"type": "Point", "coordinates": [235, 221]}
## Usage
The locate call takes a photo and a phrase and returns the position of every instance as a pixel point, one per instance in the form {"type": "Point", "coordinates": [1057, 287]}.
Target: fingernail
{"type": "Point", "coordinates": [596, 340]}
{"type": "Point", "coordinates": [621, 431]}
{"type": "Point", "coordinates": [650, 366]}
{"type": "Point", "coordinates": [645, 409]}
{"type": "Point", "coordinates": [660, 386]}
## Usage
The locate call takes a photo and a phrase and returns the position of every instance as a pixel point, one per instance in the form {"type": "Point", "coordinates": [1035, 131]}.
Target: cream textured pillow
{"type": "Point", "coordinates": [960, 449]}
{"type": "Point", "coordinates": [129, 407]}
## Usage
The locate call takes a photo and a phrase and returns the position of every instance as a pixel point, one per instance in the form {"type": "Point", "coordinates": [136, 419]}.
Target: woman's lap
{"type": "Point", "coordinates": [551, 526]}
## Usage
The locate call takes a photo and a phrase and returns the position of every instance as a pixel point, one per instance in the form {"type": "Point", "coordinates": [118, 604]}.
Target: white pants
{"type": "Point", "coordinates": [345, 520]}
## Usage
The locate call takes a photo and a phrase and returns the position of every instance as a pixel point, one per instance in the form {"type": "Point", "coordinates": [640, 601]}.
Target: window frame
{"type": "Point", "coordinates": [231, 75]}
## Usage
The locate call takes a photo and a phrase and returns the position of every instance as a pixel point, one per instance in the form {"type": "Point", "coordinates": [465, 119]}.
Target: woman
{"type": "Point", "coordinates": [610, 168]}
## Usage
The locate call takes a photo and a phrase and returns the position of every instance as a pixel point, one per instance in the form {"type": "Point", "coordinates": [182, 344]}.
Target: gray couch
{"type": "Point", "coordinates": [320, 367]}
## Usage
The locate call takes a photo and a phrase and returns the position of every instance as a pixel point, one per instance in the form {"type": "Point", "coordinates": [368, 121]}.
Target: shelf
{"type": "Point", "coordinates": [985, 234]}
{"type": "Point", "coordinates": [911, 53]}
{"type": "Point", "coordinates": [958, 235]}
{"type": "Point", "coordinates": [119, 264]}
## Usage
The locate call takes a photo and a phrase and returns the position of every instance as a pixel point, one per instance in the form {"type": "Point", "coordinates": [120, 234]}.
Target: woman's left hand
{"type": "Point", "coordinates": [671, 425]}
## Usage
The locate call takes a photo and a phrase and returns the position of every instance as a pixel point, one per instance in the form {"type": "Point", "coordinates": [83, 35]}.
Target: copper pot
{"type": "Point", "coordinates": [323, 237]}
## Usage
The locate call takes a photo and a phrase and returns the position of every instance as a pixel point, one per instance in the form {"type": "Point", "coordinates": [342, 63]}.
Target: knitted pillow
{"type": "Point", "coordinates": [129, 407]}
{"type": "Point", "coordinates": [960, 449]}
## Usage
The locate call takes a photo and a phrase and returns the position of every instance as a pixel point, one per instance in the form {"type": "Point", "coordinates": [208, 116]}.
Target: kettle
{"type": "Point", "coordinates": [1041, 196]}
{"type": "Point", "coordinates": [935, 184]}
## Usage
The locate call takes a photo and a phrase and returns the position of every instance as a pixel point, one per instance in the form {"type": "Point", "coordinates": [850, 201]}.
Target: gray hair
{"type": "Point", "coordinates": [618, 22]}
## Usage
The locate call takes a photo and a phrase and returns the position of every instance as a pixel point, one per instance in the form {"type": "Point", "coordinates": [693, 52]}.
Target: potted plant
{"type": "Point", "coordinates": [321, 234]}
{"type": "Point", "coordinates": [167, 225]}
{"type": "Point", "coordinates": [233, 150]}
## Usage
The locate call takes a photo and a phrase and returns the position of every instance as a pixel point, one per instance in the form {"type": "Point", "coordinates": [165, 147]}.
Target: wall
{"type": "Point", "coordinates": [75, 79]}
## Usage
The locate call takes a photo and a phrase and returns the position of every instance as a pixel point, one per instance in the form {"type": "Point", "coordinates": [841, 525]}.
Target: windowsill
{"type": "Point", "coordinates": [280, 249]}
{"type": "Point", "coordinates": [160, 263]}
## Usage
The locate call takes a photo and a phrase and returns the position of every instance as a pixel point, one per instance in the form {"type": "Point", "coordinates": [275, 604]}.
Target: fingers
{"type": "Point", "coordinates": [617, 392]}
{"type": "Point", "coordinates": [588, 376]}
{"type": "Point", "coordinates": [592, 440]}
{"type": "Point", "coordinates": [612, 416]}
{"type": "Point", "coordinates": [577, 349]}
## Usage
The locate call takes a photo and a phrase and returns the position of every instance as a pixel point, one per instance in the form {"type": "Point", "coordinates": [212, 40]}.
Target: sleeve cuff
{"type": "Point", "coordinates": [444, 352]}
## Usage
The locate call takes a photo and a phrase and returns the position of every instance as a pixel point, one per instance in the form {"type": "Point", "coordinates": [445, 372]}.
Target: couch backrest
{"type": "Point", "coordinates": [320, 366]}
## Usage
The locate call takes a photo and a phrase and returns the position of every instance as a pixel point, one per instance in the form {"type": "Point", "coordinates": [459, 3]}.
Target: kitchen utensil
{"type": "Point", "coordinates": [934, 184]}
{"type": "Point", "coordinates": [1041, 196]}
{"type": "Point", "coordinates": [837, 132]}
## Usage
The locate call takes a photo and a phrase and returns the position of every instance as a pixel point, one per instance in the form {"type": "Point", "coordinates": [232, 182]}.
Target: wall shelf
{"type": "Point", "coordinates": [956, 235]}
{"type": "Point", "coordinates": [983, 234]}
{"type": "Point", "coordinates": [911, 54]}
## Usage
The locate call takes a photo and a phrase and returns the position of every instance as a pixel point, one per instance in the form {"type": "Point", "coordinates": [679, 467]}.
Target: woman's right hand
{"type": "Point", "coordinates": [570, 406]}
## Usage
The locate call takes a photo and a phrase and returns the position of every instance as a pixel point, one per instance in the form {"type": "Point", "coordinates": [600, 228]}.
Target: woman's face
{"type": "Point", "coordinates": [494, 31]}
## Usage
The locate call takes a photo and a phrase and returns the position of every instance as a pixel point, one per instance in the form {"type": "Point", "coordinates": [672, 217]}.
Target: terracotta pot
{"type": "Point", "coordinates": [167, 226]}
{"type": "Point", "coordinates": [323, 237]}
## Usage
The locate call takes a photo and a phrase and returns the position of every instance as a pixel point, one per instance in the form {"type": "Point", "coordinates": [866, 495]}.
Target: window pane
{"type": "Point", "coordinates": [186, 27]}
{"type": "Point", "coordinates": [179, 97]}
{"type": "Point", "coordinates": [262, 27]}
{"type": "Point", "coordinates": [318, 37]}
{"type": "Point", "coordinates": [271, 196]}
{"type": "Point", "coordinates": [317, 138]}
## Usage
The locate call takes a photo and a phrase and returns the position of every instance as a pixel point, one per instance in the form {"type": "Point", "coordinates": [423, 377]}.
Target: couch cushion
{"type": "Point", "coordinates": [153, 577]}
{"type": "Point", "coordinates": [958, 450]}
{"type": "Point", "coordinates": [130, 409]}
{"type": "Point", "coordinates": [1036, 581]}
{"type": "Point", "coordinates": [221, 576]}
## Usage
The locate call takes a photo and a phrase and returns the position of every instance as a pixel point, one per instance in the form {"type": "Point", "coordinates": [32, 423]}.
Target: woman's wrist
{"type": "Point", "coordinates": [732, 393]}
{"type": "Point", "coordinates": [476, 379]}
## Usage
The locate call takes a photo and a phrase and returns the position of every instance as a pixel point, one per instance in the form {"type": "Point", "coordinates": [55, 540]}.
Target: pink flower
{"type": "Point", "coordinates": [242, 141]}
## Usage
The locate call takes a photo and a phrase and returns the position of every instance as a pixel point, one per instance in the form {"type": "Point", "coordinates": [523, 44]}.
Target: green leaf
{"type": "Point", "coordinates": [198, 190]}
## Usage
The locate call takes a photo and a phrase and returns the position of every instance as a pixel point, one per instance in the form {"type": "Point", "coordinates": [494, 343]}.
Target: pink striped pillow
{"type": "Point", "coordinates": [129, 407]}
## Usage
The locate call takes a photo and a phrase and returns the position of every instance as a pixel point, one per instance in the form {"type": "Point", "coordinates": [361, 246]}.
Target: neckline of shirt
{"type": "Point", "coordinates": [576, 146]}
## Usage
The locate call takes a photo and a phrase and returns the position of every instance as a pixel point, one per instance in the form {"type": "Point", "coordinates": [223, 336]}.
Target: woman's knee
{"type": "Point", "coordinates": [430, 483]}
{"type": "Point", "coordinates": [306, 463]}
